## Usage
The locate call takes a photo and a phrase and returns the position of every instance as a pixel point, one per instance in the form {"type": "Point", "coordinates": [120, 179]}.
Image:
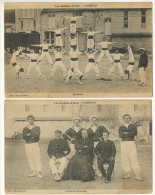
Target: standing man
{"type": "Point", "coordinates": [45, 52]}
{"type": "Point", "coordinates": [57, 150]}
{"type": "Point", "coordinates": [129, 158]}
{"type": "Point", "coordinates": [33, 63]}
{"type": "Point", "coordinates": [104, 51]}
{"type": "Point", "coordinates": [91, 64]}
{"type": "Point", "coordinates": [73, 41]}
{"type": "Point", "coordinates": [106, 152]}
{"type": "Point", "coordinates": [143, 62]}
{"type": "Point", "coordinates": [58, 63]}
{"type": "Point", "coordinates": [74, 68]}
{"type": "Point", "coordinates": [90, 38]}
{"type": "Point", "coordinates": [117, 64]}
{"type": "Point", "coordinates": [131, 63]}
{"type": "Point", "coordinates": [58, 35]}
{"type": "Point", "coordinates": [31, 135]}
{"type": "Point", "coordinates": [73, 20]}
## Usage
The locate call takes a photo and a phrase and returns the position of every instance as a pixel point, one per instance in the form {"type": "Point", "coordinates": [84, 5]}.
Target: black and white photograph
{"type": "Point", "coordinates": [78, 146]}
{"type": "Point", "coordinates": [78, 49]}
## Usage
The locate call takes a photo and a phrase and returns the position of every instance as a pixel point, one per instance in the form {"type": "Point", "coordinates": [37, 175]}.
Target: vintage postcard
{"type": "Point", "coordinates": [87, 49]}
{"type": "Point", "coordinates": [78, 146]}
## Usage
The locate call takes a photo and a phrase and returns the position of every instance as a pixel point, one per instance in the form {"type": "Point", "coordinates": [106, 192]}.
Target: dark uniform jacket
{"type": "Point", "coordinates": [98, 133]}
{"type": "Point", "coordinates": [34, 134]}
{"type": "Point", "coordinates": [105, 149]}
{"type": "Point", "coordinates": [72, 133]}
{"type": "Point", "coordinates": [131, 132]}
{"type": "Point", "coordinates": [143, 61]}
{"type": "Point", "coordinates": [57, 147]}
{"type": "Point", "coordinates": [84, 146]}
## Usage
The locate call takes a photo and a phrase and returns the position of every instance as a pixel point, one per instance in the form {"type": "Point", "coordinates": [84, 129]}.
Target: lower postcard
{"type": "Point", "coordinates": [78, 146]}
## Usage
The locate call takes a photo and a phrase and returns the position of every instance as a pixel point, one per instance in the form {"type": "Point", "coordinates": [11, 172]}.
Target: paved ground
{"type": "Point", "coordinates": [91, 85]}
{"type": "Point", "coordinates": [17, 170]}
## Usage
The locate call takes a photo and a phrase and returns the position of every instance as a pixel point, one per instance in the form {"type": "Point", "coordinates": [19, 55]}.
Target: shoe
{"type": "Point", "coordinates": [32, 174]}
{"type": "Point", "coordinates": [40, 175]}
{"type": "Point", "coordinates": [57, 178]}
{"type": "Point", "coordinates": [109, 179]}
{"type": "Point", "coordinates": [106, 180]}
{"type": "Point", "coordinates": [126, 176]}
{"type": "Point", "coordinates": [122, 78]}
{"type": "Point", "coordinates": [84, 78]}
{"type": "Point", "coordinates": [138, 177]}
{"type": "Point", "coordinates": [67, 81]}
{"type": "Point", "coordinates": [98, 78]}
{"type": "Point", "coordinates": [143, 84]}
{"type": "Point", "coordinates": [64, 78]}
{"type": "Point", "coordinates": [80, 82]}
{"type": "Point", "coordinates": [40, 77]}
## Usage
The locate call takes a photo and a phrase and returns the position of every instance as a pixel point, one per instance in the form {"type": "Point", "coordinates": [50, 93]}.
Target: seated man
{"type": "Point", "coordinates": [106, 151]}
{"type": "Point", "coordinates": [57, 150]}
{"type": "Point", "coordinates": [80, 165]}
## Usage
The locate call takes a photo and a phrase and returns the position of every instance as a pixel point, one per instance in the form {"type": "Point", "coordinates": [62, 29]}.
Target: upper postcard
{"type": "Point", "coordinates": [78, 50]}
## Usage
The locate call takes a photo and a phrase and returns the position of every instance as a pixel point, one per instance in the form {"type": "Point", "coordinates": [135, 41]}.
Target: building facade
{"type": "Point", "coordinates": [121, 25]}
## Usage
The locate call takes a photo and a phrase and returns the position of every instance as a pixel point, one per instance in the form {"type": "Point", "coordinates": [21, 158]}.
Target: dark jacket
{"type": "Point", "coordinates": [34, 134]}
{"type": "Point", "coordinates": [143, 60]}
{"type": "Point", "coordinates": [105, 149]}
{"type": "Point", "coordinates": [57, 147]}
{"type": "Point", "coordinates": [85, 146]}
{"type": "Point", "coordinates": [72, 133]}
{"type": "Point", "coordinates": [98, 133]}
{"type": "Point", "coordinates": [131, 132]}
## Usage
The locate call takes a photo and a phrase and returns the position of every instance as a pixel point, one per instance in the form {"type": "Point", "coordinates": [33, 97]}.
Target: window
{"type": "Point", "coordinates": [27, 108]}
{"type": "Point", "coordinates": [143, 18]}
{"type": "Point", "coordinates": [34, 23]}
{"type": "Point", "coordinates": [126, 19]}
{"type": "Point", "coordinates": [9, 16]}
{"type": "Point", "coordinates": [22, 25]}
{"type": "Point", "coordinates": [45, 107]}
{"type": "Point", "coordinates": [27, 13]}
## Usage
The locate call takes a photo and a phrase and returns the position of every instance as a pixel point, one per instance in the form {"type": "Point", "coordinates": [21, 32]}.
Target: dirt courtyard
{"type": "Point", "coordinates": [17, 169]}
{"type": "Point", "coordinates": [91, 85]}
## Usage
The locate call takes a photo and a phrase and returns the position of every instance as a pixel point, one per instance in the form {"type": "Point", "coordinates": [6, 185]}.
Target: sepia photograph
{"type": "Point", "coordinates": [78, 146]}
{"type": "Point", "coordinates": [78, 49]}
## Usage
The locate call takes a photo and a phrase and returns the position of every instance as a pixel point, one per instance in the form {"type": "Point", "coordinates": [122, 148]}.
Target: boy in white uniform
{"type": "Point", "coordinates": [58, 36]}
{"type": "Point", "coordinates": [117, 64]}
{"type": "Point", "coordinates": [90, 38]}
{"type": "Point", "coordinates": [91, 64]}
{"type": "Point", "coordinates": [74, 66]}
{"type": "Point", "coordinates": [73, 23]}
{"type": "Point", "coordinates": [73, 41]}
{"type": "Point", "coordinates": [58, 63]}
{"type": "Point", "coordinates": [45, 52]}
{"type": "Point", "coordinates": [104, 50]}
{"type": "Point", "coordinates": [131, 63]}
{"type": "Point", "coordinates": [14, 62]}
{"type": "Point", "coordinates": [34, 62]}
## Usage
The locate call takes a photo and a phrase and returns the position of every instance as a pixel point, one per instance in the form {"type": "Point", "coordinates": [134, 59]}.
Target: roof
{"type": "Point", "coordinates": [69, 9]}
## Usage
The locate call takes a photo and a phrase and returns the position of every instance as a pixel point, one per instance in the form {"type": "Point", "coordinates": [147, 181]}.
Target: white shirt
{"type": "Point", "coordinates": [44, 46]}
{"type": "Point", "coordinates": [73, 19]}
{"type": "Point", "coordinates": [58, 55]}
{"type": "Point", "coordinates": [131, 56]}
{"type": "Point", "coordinates": [33, 56]}
{"type": "Point", "coordinates": [91, 33]}
{"type": "Point", "coordinates": [76, 128]}
{"type": "Point", "coordinates": [31, 126]}
{"type": "Point", "coordinates": [91, 56]}
{"type": "Point", "coordinates": [117, 56]}
{"type": "Point", "coordinates": [58, 31]}
{"type": "Point", "coordinates": [74, 54]}
{"type": "Point", "coordinates": [104, 44]}
{"type": "Point", "coordinates": [73, 41]}
{"type": "Point", "coordinates": [14, 55]}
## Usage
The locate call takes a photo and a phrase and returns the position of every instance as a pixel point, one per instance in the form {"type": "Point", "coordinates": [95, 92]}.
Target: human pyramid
{"type": "Point", "coordinates": [74, 72]}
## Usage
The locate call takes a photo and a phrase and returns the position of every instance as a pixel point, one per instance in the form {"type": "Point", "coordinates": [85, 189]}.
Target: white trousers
{"type": "Point", "coordinates": [33, 156]}
{"type": "Point", "coordinates": [58, 166]}
{"type": "Point", "coordinates": [90, 43]}
{"type": "Point", "coordinates": [142, 75]}
{"type": "Point", "coordinates": [90, 66]}
{"type": "Point", "coordinates": [59, 41]}
{"type": "Point", "coordinates": [73, 28]}
{"type": "Point", "coordinates": [47, 55]}
{"type": "Point", "coordinates": [114, 66]}
{"type": "Point", "coordinates": [36, 67]}
{"type": "Point", "coordinates": [104, 52]}
{"type": "Point", "coordinates": [58, 64]}
{"type": "Point", "coordinates": [76, 71]}
{"type": "Point", "coordinates": [129, 157]}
